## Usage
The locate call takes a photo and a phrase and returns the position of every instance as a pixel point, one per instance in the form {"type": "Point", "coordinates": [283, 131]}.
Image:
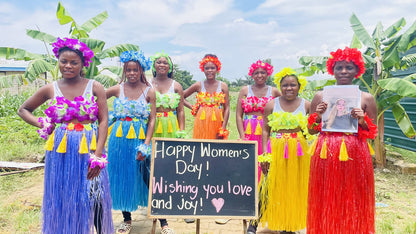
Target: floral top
{"type": "Point", "coordinates": [168, 100]}
{"type": "Point", "coordinates": [82, 108]}
{"type": "Point", "coordinates": [205, 99]}
{"type": "Point", "coordinates": [124, 108]}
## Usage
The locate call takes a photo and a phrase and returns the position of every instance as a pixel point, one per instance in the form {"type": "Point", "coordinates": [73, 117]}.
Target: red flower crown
{"type": "Point", "coordinates": [349, 55]}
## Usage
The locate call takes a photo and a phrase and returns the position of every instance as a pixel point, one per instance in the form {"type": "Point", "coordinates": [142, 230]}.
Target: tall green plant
{"type": "Point", "coordinates": [47, 63]}
{"type": "Point", "coordinates": [383, 55]}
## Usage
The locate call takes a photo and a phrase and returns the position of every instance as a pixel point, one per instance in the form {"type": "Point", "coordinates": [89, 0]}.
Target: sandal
{"type": "Point", "coordinates": [167, 230]}
{"type": "Point", "coordinates": [124, 228]}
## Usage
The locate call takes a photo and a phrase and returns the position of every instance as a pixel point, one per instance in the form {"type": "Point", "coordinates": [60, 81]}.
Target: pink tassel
{"type": "Point", "coordinates": [269, 147]}
{"type": "Point", "coordinates": [286, 151]}
{"type": "Point", "coordinates": [300, 151]}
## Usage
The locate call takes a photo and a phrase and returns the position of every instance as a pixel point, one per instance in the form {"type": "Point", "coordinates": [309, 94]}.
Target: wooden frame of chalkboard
{"type": "Point", "coordinates": [203, 179]}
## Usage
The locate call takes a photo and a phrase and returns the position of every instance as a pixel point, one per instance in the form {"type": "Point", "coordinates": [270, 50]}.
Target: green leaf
{"type": "Point", "coordinates": [408, 38]}
{"type": "Point", "coordinates": [116, 50]}
{"type": "Point", "coordinates": [319, 84]}
{"type": "Point", "coordinates": [94, 22]}
{"type": "Point", "coordinates": [62, 15]}
{"type": "Point", "coordinates": [356, 43]}
{"type": "Point", "coordinates": [94, 44]}
{"type": "Point", "coordinates": [18, 54]}
{"type": "Point", "coordinates": [118, 71]}
{"type": "Point", "coordinates": [10, 80]}
{"type": "Point", "coordinates": [38, 67]}
{"type": "Point", "coordinates": [391, 57]}
{"type": "Point", "coordinates": [409, 59]}
{"type": "Point", "coordinates": [387, 98]}
{"type": "Point", "coordinates": [394, 28]}
{"type": "Point", "coordinates": [400, 86]}
{"type": "Point", "coordinates": [361, 32]}
{"type": "Point", "coordinates": [105, 80]}
{"type": "Point", "coordinates": [38, 35]}
{"type": "Point", "coordinates": [378, 33]}
{"type": "Point", "coordinates": [403, 120]}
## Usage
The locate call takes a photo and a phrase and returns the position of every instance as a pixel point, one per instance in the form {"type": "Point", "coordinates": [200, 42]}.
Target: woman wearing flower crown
{"type": "Point", "coordinates": [76, 193]}
{"type": "Point", "coordinates": [212, 108]}
{"type": "Point", "coordinates": [251, 102]}
{"type": "Point", "coordinates": [131, 128]}
{"type": "Point", "coordinates": [285, 163]}
{"type": "Point", "coordinates": [341, 183]}
{"type": "Point", "coordinates": [170, 116]}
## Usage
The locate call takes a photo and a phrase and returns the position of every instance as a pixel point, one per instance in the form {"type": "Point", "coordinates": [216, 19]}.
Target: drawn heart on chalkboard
{"type": "Point", "coordinates": [218, 203]}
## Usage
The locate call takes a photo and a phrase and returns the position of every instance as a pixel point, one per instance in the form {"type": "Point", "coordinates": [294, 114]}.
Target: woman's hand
{"type": "Point", "coordinates": [140, 156]}
{"type": "Point", "coordinates": [320, 109]}
{"type": "Point", "coordinates": [265, 167]}
{"type": "Point", "coordinates": [93, 172]}
{"type": "Point", "coordinates": [358, 113]}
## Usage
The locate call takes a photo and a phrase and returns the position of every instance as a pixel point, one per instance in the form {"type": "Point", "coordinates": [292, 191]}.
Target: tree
{"type": "Point", "coordinates": [183, 77]}
{"type": "Point", "coordinates": [382, 54]}
{"type": "Point", "coordinates": [47, 63]}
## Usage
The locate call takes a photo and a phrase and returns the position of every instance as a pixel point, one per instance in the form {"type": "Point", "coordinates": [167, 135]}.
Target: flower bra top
{"type": "Point", "coordinates": [123, 107]}
{"type": "Point", "coordinates": [280, 119]}
{"type": "Point", "coordinates": [253, 104]}
{"type": "Point", "coordinates": [168, 100]}
{"type": "Point", "coordinates": [215, 99]}
{"type": "Point", "coordinates": [82, 108]}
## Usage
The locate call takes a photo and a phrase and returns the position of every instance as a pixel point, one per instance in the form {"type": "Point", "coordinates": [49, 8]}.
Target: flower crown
{"type": "Point", "coordinates": [212, 60]}
{"type": "Point", "coordinates": [349, 55]}
{"type": "Point", "coordinates": [137, 56]}
{"type": "Point", "coordinates": [73, 44]}
{"type": "Point", "coordinates": [287, 71]}
{"type": "Point", "coordinates": [158, 56]}
{"type": "Point", "coordinates": [260, 64]}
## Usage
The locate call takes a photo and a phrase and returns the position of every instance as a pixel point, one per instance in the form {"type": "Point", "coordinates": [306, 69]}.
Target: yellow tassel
{"type": "Point", "coordinates": [313, 147]}
{"type": "Point", "coordinates": [324, 150]}
{"type": "Point", "coordinates": [343, 154]}
{"type": "Point", "coordinates": [258, 129]}
{"type": "Point", "coordinates": [62, 145]}
{"type": "Point", "coordinates": [370, 148]}
{"type": "Point", "coordinates": [202, 117]}
{"type": "Point", "coordinates": [83, 147]}
{"type": "Point", "coordinates": [177, 124]}
{"type": "Point", "coordinates": [119, 132]}
{"type": "Point", "coordinates": [109, 129]}
{"type": "Point", "coordinates": [93, 145]}
{"type": "Point", "coordinates": [214, 118]}
{"type": "Point", "coordinates": [131, 134]}
{"type": "Point", "coordinates": [142, 136]}
{"type": "Point", "coordinates": [49, 142]}
{"type": "Point", "coordinates": [222, 118]}
{"type": "Point", "coordinates": [159, 126]}
{"type": "Point", "coordinates": [248, 129]}
{"type": "Point", "coordinates": [170, 128]}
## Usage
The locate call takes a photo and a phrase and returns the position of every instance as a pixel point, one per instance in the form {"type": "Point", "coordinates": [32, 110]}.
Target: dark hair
{"type": "Point", "coordinates": [80, 55]}
{"type": "Point", "coordinates": [142, 76]}
{"type": "Point", "coordinates": [297, 79]}
{"type": "Point", "coordinates": [170, 74]}
{"type": "Point", "coordinates": [210, 55]}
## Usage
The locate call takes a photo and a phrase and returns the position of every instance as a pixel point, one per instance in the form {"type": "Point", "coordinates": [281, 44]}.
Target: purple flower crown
{"type": "Point", "coordinates": [73, 44]}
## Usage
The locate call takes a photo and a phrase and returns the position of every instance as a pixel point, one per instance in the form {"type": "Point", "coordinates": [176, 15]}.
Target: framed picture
{"type": "Point", "coordinates": [341, 100]}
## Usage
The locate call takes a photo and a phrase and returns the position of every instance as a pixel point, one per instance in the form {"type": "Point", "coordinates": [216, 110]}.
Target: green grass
{"type": "Point", "coordinates": [408, 156]}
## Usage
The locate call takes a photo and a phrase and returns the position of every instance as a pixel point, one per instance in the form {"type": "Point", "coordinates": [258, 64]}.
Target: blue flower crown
{"type": "Point", "coordinates": [137, 56]}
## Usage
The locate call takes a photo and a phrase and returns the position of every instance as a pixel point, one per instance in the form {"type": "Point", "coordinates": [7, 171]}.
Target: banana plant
{"type": "Point", "coordinates": [46, 63]}
{"type": "Point", "coordinates": [383, 55]}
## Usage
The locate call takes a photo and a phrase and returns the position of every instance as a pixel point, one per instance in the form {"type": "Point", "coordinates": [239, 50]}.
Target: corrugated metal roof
{"type": "Point", "coordinates": [4, 69]}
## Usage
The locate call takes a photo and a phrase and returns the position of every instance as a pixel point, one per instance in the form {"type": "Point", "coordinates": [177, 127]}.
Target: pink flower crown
{"type": "Point", "coordinates": [73, 44]}
{"type": "Point", "coordinates": [260, 64]}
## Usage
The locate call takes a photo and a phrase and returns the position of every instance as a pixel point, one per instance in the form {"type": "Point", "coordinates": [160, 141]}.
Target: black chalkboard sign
{"type": "Point", "coordinates": [203, 178]}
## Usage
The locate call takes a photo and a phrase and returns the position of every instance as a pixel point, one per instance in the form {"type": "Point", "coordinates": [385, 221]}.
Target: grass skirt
{"type": "Point", "coordinates": [166, 124]}
{"type": "Point", "coordinates": [341, 193]}
{"type": "Point", "coordinates": [207, 122]}
{"type": "Point", "coordinates": [284, 191]}
{"type": "Point", "coordinates": [70, 200]}
{"type": "Point", "coordinates": [253, 133]}
{"type": "Point", "coordinates": [128, 188]}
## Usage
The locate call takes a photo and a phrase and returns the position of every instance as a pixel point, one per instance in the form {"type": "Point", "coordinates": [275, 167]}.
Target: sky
{"type": "Point", "coordinates": [239, 32]}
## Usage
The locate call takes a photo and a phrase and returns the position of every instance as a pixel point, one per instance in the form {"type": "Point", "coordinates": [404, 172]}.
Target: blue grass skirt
{"type": "Point", "coordinates": [128, 176]}
{"type": "Point", "coordinates": [71, 203]}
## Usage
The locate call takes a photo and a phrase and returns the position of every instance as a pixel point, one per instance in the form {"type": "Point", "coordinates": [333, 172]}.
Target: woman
{"type": "Point", "coordinates": [212, 108]}
{"type": "Point", "coordinates": [339, 117]}
{"type": "Point", "coordinates": [251, 101]}
{"type": "Point", "coordinates": [76, 193]}
{"type": "Point", "coordinates": [341, 185]}
{"type": "Point", "coordinates": [170, 114]}
{"type": "Point", "coordinates": [284, 189]}
{"type": "Point", "coordinates": [131, 128]}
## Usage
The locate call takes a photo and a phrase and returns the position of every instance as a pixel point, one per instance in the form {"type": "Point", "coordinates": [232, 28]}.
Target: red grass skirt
{"type": "Point", "coordinates": [341, 193]}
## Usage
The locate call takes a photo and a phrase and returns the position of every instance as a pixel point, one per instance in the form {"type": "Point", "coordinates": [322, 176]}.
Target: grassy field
{"type": "Point", "coordinates": [21, 194]}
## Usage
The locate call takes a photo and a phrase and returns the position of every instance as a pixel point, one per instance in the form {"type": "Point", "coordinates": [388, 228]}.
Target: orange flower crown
{"type": "Point", "coordinates": [349, 55]}
{"type": "Point", "coordinates": [210, 59]}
